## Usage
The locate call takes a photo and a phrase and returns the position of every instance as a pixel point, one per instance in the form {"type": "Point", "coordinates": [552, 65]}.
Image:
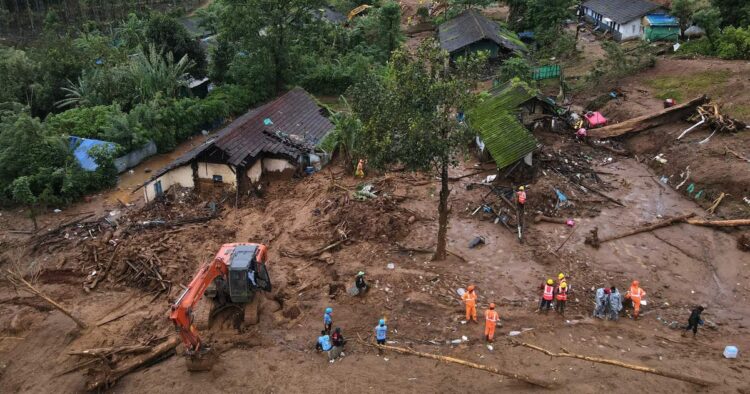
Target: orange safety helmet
{"type": "Point", "coordinates": [492, 305]}
{"type": "Point", "coordinates": [470, 288]}
{"type": "Point", "coordinates": [636, 283]}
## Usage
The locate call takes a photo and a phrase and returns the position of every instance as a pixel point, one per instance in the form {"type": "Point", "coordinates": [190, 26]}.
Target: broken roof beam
{"type": "Point", "coordinates": [646, 122]}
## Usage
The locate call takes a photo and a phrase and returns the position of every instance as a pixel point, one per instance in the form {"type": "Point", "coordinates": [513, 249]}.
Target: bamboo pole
{"type": "Point", "coordinates": [641, 368]}
{"type": "Point", "coordinates": [17, 279]}
{"type": "Point", "coordinates": [512, 375]}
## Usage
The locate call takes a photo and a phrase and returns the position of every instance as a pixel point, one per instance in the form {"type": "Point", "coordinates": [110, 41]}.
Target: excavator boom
{"type": "Point", "coordinates": [181, 312]}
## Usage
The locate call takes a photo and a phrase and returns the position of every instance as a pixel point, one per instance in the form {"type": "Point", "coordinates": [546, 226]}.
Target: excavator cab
{"type": "Point", "coordinates": [246, 274]}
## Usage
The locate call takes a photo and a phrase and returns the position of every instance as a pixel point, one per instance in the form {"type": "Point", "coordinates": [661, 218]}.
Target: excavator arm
{"type": "Point", "coordinates": [182, 310]}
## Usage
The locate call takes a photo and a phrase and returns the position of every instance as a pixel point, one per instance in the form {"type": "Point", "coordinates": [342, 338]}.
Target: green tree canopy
{"type": "Point", "coordinates": [408, 116]}
{"type": "Point", "coordinates": [168, 35]}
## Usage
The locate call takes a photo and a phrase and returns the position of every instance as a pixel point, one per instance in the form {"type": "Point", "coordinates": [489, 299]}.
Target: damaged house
{"type": "Point", "coordinates": [501, 122]}
{"type": "Point", "coordinates": [278, 139]}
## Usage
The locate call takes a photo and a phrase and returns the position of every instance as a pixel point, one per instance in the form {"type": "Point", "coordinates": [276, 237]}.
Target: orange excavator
{"type": "Point", "coordinates": [230, 280]}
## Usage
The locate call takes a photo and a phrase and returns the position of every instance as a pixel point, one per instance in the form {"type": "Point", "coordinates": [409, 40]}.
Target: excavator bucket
{"type": "Point", "coordinates": [201, 361]}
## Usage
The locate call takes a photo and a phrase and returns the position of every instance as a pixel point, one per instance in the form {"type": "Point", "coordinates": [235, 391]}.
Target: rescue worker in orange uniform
{"type": "Point", "coordinates": [521, 198]}
{"type": "Point", "coordinates": [635, 294]}
{"type": "Point", "coordinates": [547, 295]}
{"type": "Point", "coordinates": [490, 321]}
{"type": "Point", "coordinates": [470, 300]}
{"type": "Point", "coordinates": [562, 297]}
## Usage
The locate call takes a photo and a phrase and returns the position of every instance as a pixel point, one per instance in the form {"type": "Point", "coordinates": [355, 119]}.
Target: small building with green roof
{"type": "Point", "coordinates": [499, 122]}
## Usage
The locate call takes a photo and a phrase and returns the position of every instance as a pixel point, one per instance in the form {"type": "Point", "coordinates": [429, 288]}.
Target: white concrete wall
{"type": "Point", "coordinates": [208, 170]}
{"type": "Point", "coordinates": [277, 165]}
{"type": "Point", "coordinates": [255, 171]}
{"type": "Point", "coordinates": [631, 30]}
{"type": "Point", "coordinates": [180, 175]}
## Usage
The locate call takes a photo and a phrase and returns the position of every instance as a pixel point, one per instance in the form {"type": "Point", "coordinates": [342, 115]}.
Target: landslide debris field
{"type": "Point", "coordinates": [118, 272]}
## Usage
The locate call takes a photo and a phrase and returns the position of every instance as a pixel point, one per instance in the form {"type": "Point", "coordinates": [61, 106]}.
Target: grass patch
{"type": "Point", "coordinates": [685, 87]}
{"type": "Point", "coordinates": [740, 112]}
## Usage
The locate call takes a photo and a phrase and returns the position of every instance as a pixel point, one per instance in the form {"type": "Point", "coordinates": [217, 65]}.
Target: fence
{"type": "Point", "coordinates": [546, 72]}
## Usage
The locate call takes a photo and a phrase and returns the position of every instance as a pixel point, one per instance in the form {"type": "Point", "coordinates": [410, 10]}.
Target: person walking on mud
{"type": "Point", "coordinates": [601, 301]}
{"type": "Point", "coordinates": [636, 294]}
{"type": "Point", "coordinates": [548, 291]}
{"type": "Point", "coordinates": [490, 321]}
{"type": "Point", "coordinates": [615, 304]}
{"type": "Point", "coordinates": [520, 203]}
{"type": "Point", "coordinates": [470, 300]}
{"type": "Point", "coordinates": [328, 320]}
{"type": "Point", "coordinates": [694, 321]}
{"type": "Point", "coordinates": [561, 297]}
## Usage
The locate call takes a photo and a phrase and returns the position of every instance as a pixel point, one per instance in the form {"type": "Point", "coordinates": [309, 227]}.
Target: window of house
{"type": "Point", "coordinates": [218, 178]}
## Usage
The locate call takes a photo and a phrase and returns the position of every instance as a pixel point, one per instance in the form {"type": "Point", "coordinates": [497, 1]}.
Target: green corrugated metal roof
{"type": "Point", "coordinates": [494, 119]}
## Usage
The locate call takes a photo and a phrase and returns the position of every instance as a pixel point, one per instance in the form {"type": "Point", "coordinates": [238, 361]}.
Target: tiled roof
{"type": "Point", "coordinates": [621, 11]}
{"type": "Point", "coordinates": [471, 26]}
{"type": "Point", "coordinates": [296, 126]}
{"type": "Point", "coordinates": [494, 119]}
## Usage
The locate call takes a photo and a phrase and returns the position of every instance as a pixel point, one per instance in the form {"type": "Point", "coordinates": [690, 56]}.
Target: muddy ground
{"type": "Point", "coordinates": [678, 266]}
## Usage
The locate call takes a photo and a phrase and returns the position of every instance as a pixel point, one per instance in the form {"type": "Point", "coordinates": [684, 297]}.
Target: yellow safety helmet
{"type": "Point", "coordinates": [561, 276]}
{"type": "Point", "coordinates": [564, 285]}
{"type": "Point", "coordinates": [520, 188]}
{"type": "Point", "coordinates": [550, 282]}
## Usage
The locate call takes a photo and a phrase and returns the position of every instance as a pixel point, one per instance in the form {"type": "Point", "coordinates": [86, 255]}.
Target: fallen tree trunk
{"type": "Point", "coordinates": [646, 122]}
{"type": "Point", "coordinates": [542, 218]}
{"type": "Point", "coordinates": [105, 351]}
{"type": "Point", "coordinates": [512, 375]}
{"type": "Point", "coordinates": [641, 368]}
{"type": "Point", "coordinates": [720, 223]}
{"type": "Point", "coordinates": [595, 241]}
{"type": "Point", "coordinates": [133, 364]}
{"type": "Point", "coordinates": [18, 280]}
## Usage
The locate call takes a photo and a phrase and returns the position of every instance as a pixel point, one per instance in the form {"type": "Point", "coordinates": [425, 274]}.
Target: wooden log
{"type": "Point", "coordinates": [664, 223]}
{"type": "Point", "coordinates": [496, 371]}
{"type": "Point", "coordinates": [542, 218]}
{"type": "Point", "coordinates": [646, 122]}
{"type": "Point", "coordinates": [635, 367]}
{"type": "Point", "coordinates": [133, 364]}
{"type": "Point", "coordinates": [17, 280]}
{"type": "Point", "coordinates": [107, 351]}
{"type": "Point", "coordinates": [720, 223]}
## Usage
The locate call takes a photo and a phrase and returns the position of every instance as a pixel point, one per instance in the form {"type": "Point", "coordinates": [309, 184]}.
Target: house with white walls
{"type": "Point", "coordinates": [278, 139]}
{"type": "Point", "coordinates": [622, 18]}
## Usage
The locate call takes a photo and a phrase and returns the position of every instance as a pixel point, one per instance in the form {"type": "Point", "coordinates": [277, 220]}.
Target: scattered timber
{"type": "Point", "coordinates": [635, 367]}
{"type": "Point", "coordinates": [646, 122]}
{"type": "Point", "coordinates": [496, 371]}
{"type": "Point", "coordinates": [111, 377]}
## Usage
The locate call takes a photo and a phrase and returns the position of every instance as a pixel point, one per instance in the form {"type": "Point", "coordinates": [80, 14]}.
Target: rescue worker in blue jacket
{"type": "Point", "coordinates": [328, 320]}
{"type": "Point", "coordinates": [381, 332]}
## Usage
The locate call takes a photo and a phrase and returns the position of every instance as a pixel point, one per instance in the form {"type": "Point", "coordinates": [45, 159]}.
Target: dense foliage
{"type": "Point", "coordinates": [408, 115]}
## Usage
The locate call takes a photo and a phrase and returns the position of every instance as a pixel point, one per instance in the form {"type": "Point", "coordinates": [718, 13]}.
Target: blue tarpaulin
{"type": "Point", "coordinates": [81, 147]}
